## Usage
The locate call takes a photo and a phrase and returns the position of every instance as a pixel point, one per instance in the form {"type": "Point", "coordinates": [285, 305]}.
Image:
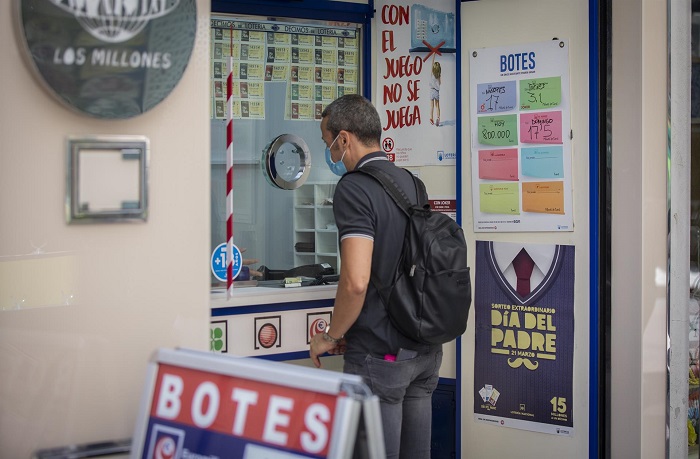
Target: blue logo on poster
{"type": "Point", "coordinates": [166, 442]}
{"type": "Point", "coordinates": [218, 261]}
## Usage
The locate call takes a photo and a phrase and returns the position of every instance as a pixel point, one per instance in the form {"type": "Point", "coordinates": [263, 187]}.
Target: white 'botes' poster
{"type": "Point", "coordinates": [521, 138]}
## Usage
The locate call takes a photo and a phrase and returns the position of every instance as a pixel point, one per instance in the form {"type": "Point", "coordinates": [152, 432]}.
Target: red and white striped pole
{"type": "Point", "coordinates": [229, 174]}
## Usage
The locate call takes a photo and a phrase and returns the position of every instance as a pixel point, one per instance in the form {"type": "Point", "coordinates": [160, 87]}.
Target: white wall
{"type": "Point", "coordinates": [74, 373]}
{"type": "Point", "coordinates": [491, 23]}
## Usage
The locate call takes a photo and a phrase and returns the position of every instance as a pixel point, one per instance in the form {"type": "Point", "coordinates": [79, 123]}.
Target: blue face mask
{"type": "Point", "coordinates": [339, 167]}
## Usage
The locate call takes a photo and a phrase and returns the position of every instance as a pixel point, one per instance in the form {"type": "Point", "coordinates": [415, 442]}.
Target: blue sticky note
{"type": "Point", "coordinates": [495, 97]}
{"type": "Point", "coordinates": [543, 162]}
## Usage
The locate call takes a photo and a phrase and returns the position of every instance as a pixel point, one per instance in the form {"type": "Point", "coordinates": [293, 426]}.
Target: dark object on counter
{"type": "Point", "coordinates": [244, 275]}
{"type": "Point", "coordinates": [315, 271]}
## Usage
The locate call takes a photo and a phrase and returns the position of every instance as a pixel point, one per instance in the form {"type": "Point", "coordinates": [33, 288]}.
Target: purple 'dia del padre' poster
{"type": "Point", "coordinates": [523, 366]}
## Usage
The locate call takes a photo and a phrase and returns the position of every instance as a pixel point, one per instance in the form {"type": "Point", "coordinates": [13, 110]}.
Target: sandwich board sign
{"type": "Point", "coordinates": [201, 404]}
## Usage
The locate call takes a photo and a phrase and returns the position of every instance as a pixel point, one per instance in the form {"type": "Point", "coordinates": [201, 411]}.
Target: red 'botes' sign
{"type": "Point", "coordinates": [248, 409]}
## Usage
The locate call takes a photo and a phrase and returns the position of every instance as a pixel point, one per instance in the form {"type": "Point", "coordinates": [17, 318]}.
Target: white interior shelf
{"type": "Point", "coordinates": [315, 232]}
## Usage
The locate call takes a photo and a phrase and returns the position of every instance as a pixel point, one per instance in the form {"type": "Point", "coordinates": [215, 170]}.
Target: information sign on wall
{"type": "Point", "coordinates": [521, 141]}
{"type": "Point", "coordinates": [523, 358]}
{"type": "Point", "coordinates": [416, 81]}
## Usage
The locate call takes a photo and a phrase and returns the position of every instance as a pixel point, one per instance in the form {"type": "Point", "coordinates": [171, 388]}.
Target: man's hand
{"type": "Point", "coordinates": [320, 346]}
{"type": "Point", "coordinates": [251, 261]}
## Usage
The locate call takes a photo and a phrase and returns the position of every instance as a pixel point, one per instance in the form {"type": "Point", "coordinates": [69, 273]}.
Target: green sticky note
{"type": "Point", "coordinates": [538, 93]}
{"type": "Point", "coordinates": [499, 198]}
{"type": "Point", "coordinates": [500, 130]}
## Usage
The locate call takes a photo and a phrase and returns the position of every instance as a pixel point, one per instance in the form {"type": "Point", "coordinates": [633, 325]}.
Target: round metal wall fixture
{"type": "Point", "coordinates": [286, 162]}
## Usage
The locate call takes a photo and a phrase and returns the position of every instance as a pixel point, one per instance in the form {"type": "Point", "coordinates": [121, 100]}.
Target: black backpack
{"type": "Point", "coordinates": [428, 299]}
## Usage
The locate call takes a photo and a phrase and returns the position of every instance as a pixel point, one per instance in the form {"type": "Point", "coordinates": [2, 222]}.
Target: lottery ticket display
{"type": "Point", "coordinates": [317, 65]}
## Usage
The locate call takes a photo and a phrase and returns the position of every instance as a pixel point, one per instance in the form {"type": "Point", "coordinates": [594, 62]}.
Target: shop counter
{"type": "Point", "coordinates": [271, 323]}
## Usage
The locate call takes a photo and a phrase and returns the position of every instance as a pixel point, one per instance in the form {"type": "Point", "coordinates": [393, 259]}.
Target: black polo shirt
{"type": "Point", "coordinates": [362, 208]}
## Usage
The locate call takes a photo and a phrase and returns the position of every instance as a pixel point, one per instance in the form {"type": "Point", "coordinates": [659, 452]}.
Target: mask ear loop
{"type": "Point", "coordinates": [333, 143]}
{"type": "Point", "coordinates": [344, 151]}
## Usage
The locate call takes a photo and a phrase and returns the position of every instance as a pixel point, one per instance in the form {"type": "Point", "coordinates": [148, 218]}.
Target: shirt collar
{"type": "Point", "coordinates": [374, 156]}
{"type": "Point", "coordinates": [541, 254]}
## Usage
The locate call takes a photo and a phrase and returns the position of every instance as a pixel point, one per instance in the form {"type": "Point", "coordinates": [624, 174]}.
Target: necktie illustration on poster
{"type": "Point", "coordinates": [523, 266]}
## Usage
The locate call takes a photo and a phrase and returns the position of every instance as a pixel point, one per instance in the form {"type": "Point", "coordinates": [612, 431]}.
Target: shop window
{"type": "Point", "coordinates": [283, 74]}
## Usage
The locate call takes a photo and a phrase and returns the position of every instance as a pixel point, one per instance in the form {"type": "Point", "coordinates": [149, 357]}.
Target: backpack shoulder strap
{"type": "Point", "coordinates": [421, 192]}
{"type": "Point", "coordinates": [393, 189]}
{"type": "Point", "coordinates": [400, 199]}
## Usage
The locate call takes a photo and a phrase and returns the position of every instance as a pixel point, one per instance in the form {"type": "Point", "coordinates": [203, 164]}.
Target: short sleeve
{"type": "Point", "coordinates": [352, 208]}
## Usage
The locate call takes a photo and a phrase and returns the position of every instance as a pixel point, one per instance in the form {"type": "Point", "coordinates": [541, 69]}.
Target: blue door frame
{"type": "Point", "coordinates": [362, 14]}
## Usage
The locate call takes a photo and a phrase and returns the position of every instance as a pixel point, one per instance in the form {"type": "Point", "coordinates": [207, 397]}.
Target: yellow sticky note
{"type": "Point", "coordinates": [499, 198]}
{"type": "Point", "coordinates": [543, 197]}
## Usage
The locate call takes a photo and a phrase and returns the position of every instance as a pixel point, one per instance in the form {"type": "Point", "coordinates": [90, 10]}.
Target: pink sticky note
{"type": "Point", "coordinates": [498, 164]}
{"type": "Point", "coordinates": [541, 127]}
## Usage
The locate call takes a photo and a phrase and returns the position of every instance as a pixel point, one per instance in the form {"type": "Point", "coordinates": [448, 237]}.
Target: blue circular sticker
{"type": "Point", "coordinates": [219, 261]}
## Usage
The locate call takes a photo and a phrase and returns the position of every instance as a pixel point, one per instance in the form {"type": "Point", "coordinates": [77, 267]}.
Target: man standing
{"type": "Point", "coordinates": [403, 373]}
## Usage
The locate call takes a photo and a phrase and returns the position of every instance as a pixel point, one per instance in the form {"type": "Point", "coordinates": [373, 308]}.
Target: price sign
{"type": "Point", "coordinates": [539, 93]}
{"type": "Point", "coordinates": [496, 97]}
{"type": "Point", "coordinates": [498, 130]}
{"type": "Point", "coordinates": [542, 127]}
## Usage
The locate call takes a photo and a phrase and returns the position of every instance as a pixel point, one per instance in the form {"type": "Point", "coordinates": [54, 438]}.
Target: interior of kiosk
{"type": "Point", "coordinates": [284, 72]}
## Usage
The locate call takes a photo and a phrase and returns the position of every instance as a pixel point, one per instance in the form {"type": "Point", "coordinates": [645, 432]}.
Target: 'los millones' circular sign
{"type": "Point", "coordinates": [109, 58]}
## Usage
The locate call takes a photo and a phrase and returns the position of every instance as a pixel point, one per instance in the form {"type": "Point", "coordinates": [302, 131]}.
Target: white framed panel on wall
{"type": "Point", "coordinates": [510, 23]}
{"type": "Point", "coordinates": [416, 81]}
{"type": "Point", "coordinates": [520, 142]}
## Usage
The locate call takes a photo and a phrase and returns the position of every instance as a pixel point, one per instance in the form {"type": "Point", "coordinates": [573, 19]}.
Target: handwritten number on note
{"type": "Point", "coordinates": [490, 135]}
{"type": "Point", "coordinates": [535, 131]}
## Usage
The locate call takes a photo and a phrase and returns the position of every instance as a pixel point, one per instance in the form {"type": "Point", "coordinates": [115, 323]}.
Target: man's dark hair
{"type": "Point", "coordinates": [355, 114]}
